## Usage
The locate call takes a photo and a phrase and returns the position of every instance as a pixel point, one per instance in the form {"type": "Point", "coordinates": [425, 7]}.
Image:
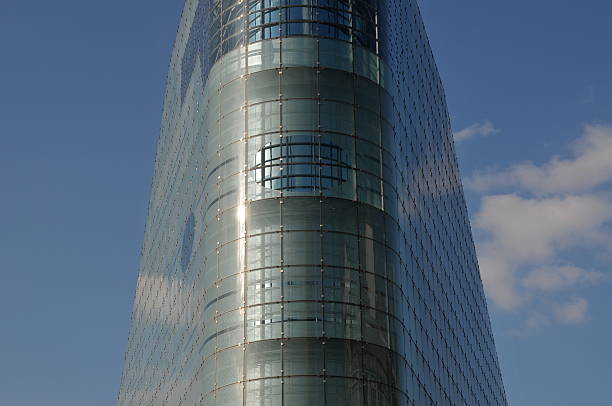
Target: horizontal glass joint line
{"type": "Point", "coordinates": [363, 380]}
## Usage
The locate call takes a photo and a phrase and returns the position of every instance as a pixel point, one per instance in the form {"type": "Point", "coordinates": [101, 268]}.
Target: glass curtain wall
{"type": "Point", "coordinates": [307, 241]}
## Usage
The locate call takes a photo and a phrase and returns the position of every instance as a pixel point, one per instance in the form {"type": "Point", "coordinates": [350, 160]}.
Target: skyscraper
{"type": "Point", "coordinates": [307, 241]}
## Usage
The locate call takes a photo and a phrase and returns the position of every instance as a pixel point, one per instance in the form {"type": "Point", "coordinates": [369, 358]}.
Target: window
{"type": "Point", "coordinates": [302, 163]}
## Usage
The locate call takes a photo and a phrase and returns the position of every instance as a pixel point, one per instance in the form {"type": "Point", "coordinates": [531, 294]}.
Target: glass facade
{"type": "Point", "coordinates": [307, 240]}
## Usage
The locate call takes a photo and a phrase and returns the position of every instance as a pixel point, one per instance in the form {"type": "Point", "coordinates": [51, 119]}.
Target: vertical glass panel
{"type": "Point", "coordinates": [300, 28]}
{"type": "Point", "coordinates": [263, 322]}
{"type": "Point", "coordinates": [229, 190]}
{"type": "Point", "coordinates": [368, 157]}
{"type": "Point", "coordinates": [300, 115]}
{"type": "Point", "coordinates": [390, 170]}
{"type": "Point", "coordinates": [230, 259]}
{"type": "Point", "coordinates": [366, 94]}
{"type": "Point", "coordinates": [232, 96]}
{"type": "Point", "coordinates": [386, 104]}
{"type": "Point", "coordinates": [263, 359]}
{"type": "Point", "coordinates": [209, 399]}
{"type": "Point", "coordinates": [395, 274]}
{"type": "Point", "coordinates": [263, 286]}
{"type": "Point", "coordinates": [263, 118]}
{"type": "Point", "coordinates": [263, 86]}
{"type": "Point", "coordinates": [230, 396]}
{"type": "Point", "coordinates": [369, 189]}
{"type": "Point", "coordinates": [232, 35]}
{"type": "Point", "coordinates": [396, 335]}
{"type": "Point", "coordinates": [375, 327]}
{"type": "Point", "coordinates": [344, 392]}
{"type": "Point", "coordinates": [229, 366]}
{"type": "Point", "coordinates": [254, 53]}
{"type": "Point", "coordinates": [234, 64]}
{"type": "Point", "coordinates": [271, 52]}
{"type": "Point", "coordinates": [302, 283]}
{"type": "Point", "coordinates": [232, 127]}
{"type": "Point", "coordinates": [263, 216]}
{"type": "Point", "coordinates": [371, 223]}
{"type": "Point", "coordinates": [271, 16]}
{"type": "Point", "coordinates": [391, 199]}
{"type": "Point", "coordinates": [210, 271]}
{"type": "Point", "coordinates": [214, 79]}
{"type": "Point", "coordinates": [343, 358]}
{"type": "Point", "coordinates": [342, 321]}
{"type": "Point", "coordinates": [381, 395]}
{"type": "Point", "coordinates": [341, 285]}
{"type": "Point", "coordinates": [299, 83]}
{"type": "Point", "coordinates": [301, 213]}
{"type": "Point", "coordinates": [340, 250]}
{"type": "Point", "coordinates": [209, 369]}
{"type": "Point", "coordinates": [230, 329]}
{"type": "Point", "coordinates": [303, 319]}
{"type": "Point", "coordinates": [299, 52]}
{"type": "Point", "coordinates": [213, 108]}
{"type": "Point", "coordinates": [337, 117]}
{"type": "Point", "coordinates": [336, 85]}
{"type": "Point", "coordinates": [388, 136]}
{"type": "Point", "coordinates": [339, 215]}
{"type": "Point", "coordinates": [298, 13]}
{"type": "Point", "coordinates": [378, 365]}
{"type": "Point", "coordinates": [304, 391]}
{"type": "Point", "coordinates": [345, 189]}
{"type": "Point", "coordinates": [264, 392]}
{"type": "Point", "coordinates": [255, 190]}
{"type": "Point", "coordinates": [229, 295]}
{"type": "Point", "coordinates": [372, 256]}
{"type": "Point", "coordinates": [374, 291]}
{"type": "Point", "coordinates": [263, 55]}
{"type": "Point", "coordinates": [263, 251]}
{"type": "Point", "coordinates": [337, 149]}
{"type": "Point", "coordinates": [368, 126]}
{"type": "Point", "coordinates": [302, 248]}
{"type": "Point", "coordinates": [231, 159]}
{"type": "Point", "coordinates": [335, 54]}
{"type": "Point", "coordinates": [386, 77]}
{"type": "Point", "coordinates": [212, 233]}
{"type": "Point", "coordinates": [230, 227]}
{"type": "Point", "coordinates": [366, 63]}
{"type": "Point", "coordinates": [303, 356]}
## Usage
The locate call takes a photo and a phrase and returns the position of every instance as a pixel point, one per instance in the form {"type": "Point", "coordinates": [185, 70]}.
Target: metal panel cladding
{"type": "Point", "coordinates": [307, 241]}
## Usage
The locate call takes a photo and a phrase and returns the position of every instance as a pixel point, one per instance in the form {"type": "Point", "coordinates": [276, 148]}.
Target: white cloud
{"type": "Point", "coordinates": [499, 279]}
{"type": "Point", "coordinates": [483, 129]}
{"type": "Point", "coordinates": [537, 320]}
{"type": "Point", "coordinates": [573, 312]}
{"type": "Point", "coordinates": [521, 232]}
{"type": "Point", "coordinates": [552, 278]}
{"type": "Point", "coordinates": [553, 211]}
{"type": "Point", "coordinates": [591, 166]}
{"type": "Point", "coordinates": [532, 230]}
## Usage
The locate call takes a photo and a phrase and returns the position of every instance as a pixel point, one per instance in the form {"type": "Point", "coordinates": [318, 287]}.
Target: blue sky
{"type": "Point", "coordinates": [81, 88]}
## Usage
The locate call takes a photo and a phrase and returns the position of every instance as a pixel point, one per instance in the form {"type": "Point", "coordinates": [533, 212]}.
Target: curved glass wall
{"type": "Point", "coordinates": [307, 241]}
{"type": "Point", "coordinates": [219, 27]}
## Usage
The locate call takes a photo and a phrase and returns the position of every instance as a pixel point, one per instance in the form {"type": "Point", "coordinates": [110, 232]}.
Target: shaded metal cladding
{"type": "Point", "coordinates": [307, 241]}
